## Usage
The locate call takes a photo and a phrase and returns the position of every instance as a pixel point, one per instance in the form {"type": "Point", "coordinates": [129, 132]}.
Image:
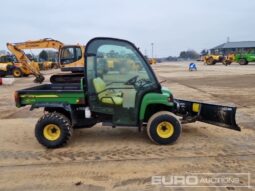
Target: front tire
{"type": "Point", "coordinates": [211, 61]}
{"type": "Point", "coordinates": [164, 128]}
{"type": "Point", "coordinates": [53, 130]}
{"type": "Point", "coordinates": [17, 73]}
{"type": "Point", "coordinates": [243, 62]}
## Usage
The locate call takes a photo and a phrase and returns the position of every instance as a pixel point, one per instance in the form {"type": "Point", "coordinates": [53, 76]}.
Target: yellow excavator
{"type": "Point", "coordinates": [71, 57]}
{"type": "Point", "coordinates": [25, 66]}
{"type": "Point", "coordinates": [40, 44]}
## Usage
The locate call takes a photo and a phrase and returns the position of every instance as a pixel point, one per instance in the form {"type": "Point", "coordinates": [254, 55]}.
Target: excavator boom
{"type": "Point", "coordinates": [38, 44]}
{"type": "Point", "coordinates": [27, 64]}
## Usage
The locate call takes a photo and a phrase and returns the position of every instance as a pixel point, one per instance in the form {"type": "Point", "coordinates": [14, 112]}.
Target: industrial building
{"type": "Point", "coordinates": [234, 47]}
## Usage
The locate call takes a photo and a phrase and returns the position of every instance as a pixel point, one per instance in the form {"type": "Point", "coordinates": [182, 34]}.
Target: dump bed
{"type": "Point", "coordinates": [48, 93]}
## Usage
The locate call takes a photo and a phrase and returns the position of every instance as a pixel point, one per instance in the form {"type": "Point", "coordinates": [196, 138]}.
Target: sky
{"type": "Point", "coordinates": [171, 25]}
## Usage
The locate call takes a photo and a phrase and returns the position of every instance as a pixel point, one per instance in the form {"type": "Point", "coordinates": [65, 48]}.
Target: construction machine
{"type": "Point", "coordinates": [71, 58]}
{"type": "Point", "coordinates": [152, 61]}
{"type": "Point", "coordinates": [228, 59]}
{"type": "Point", "coordinates": [25, 66]}
{"type": "Point", "coordinates": [7, 65]}
{"type": "Point", "coordinates": [10, 66]}
{"type": "Point", "coordinates": [212, 59]}
{"type": "Point", "coordinates": [116, 97]}
{"type": "Point", "coordinates": [40, 44]}
{"type": "Point", "coordinates": [245, 58]}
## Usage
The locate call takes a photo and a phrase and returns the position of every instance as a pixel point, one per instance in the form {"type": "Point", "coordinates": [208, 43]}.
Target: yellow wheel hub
{"type": "Point", "coordinates": [51, 132]}
{"type": "Point", "coordinates": [17, 73]}
{"type": "Point", "coordinates": [165, 129]}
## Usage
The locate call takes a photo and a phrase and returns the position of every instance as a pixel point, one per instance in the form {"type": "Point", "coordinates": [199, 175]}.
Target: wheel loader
{"type": "Point", "coordinates": [124, 96]}
{"type": "Point", "coordinates": [10, 66]}
{"type": "Point", "coordinates": [6, 65]}
{"type": "Point", "coordinates": [212, 59]}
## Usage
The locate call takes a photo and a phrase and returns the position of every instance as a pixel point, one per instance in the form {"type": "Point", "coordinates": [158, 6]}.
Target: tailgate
{"type": "Point", "coordinates": [49, 93]}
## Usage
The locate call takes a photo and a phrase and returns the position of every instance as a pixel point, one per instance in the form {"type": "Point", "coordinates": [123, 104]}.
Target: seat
{"type": "Point", "coordinates": [106, 96]}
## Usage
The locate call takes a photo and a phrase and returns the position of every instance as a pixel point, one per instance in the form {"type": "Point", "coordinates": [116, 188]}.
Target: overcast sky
{"type": "Point", "coordinates": [172, 25]}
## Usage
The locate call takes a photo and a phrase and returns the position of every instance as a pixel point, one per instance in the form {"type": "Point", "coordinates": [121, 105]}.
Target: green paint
{"type": "Point", "coordinates": [155, 98]}
{"type": "Point", "coordinates": [68, 98]}
{"type": "Point", "coordinates": [250, 57]}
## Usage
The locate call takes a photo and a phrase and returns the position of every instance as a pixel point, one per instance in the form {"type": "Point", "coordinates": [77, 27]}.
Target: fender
{"type": "Point", "coordinates": [155, 98]}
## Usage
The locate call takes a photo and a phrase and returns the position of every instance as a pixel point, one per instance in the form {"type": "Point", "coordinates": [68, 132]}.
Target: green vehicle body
{"type": "Point", "coordinates": [39, 97]}
{"type": "Point", "coordinates": [248, 57]}
{"type": "Point", "coordinates": [153, 99]}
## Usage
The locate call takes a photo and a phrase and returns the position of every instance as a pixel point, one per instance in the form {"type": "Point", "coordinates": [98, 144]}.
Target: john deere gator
{"type": "Point", "coordinates": [127, 96]}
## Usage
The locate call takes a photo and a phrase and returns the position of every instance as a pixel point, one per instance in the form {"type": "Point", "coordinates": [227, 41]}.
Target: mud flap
{"type": "Point", "coordinates": [219, 115]}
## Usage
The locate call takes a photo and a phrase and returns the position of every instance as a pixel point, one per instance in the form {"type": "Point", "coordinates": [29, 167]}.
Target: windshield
{"type": "Point", "coordinates": [118, 61]}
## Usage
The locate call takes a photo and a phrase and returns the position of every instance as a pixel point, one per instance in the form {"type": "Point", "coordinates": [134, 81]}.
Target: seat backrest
{"type": "Point", "coordinates": [99, 84]}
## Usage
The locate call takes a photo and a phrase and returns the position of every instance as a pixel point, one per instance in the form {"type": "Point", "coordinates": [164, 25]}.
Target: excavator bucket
{"type": "Point", "coordinates": [219, 115]}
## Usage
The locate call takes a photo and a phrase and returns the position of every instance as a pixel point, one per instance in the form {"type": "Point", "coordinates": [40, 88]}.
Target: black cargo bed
{"type": "Point", "coordinates": [73, 87]}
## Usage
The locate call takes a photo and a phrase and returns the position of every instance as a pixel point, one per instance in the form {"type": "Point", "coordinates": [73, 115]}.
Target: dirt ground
{"type": "Point", "coordinates": [102, 158]}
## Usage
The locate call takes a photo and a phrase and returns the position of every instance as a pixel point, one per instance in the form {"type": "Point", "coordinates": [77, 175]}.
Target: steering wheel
{"type": "Point", "coordinates": [132, 80]}
{"type": "Point", "coordinates": [142, 83]}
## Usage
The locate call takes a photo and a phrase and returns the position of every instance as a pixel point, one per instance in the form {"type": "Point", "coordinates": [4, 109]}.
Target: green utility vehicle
{"type": "Point", "coordinates": [128, 95]}
{"type": "Point", "coordinates": [245, 58]}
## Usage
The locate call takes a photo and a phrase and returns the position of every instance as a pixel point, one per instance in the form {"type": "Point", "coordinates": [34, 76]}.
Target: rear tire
{"type": "Point", "coordinates": [164, 128]}
{"type": "Point", "coordinates": [243, 61]}
{"type": "Point", "coordinates": [211, 61]}
{"type": "Point", "coordinates": [53, 130]}
{"type": "Point", "coordinates": [17, 73]}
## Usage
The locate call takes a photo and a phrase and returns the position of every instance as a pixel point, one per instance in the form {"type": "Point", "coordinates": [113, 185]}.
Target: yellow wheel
{"type": "Point", "coordinates": [211, 61]}
{"type": "Point", "coordinates": [17, 73]}
{"type": "Point", "coordinates": [51, 132]}
{"type": "Point", "coordinates": [165, 129]}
